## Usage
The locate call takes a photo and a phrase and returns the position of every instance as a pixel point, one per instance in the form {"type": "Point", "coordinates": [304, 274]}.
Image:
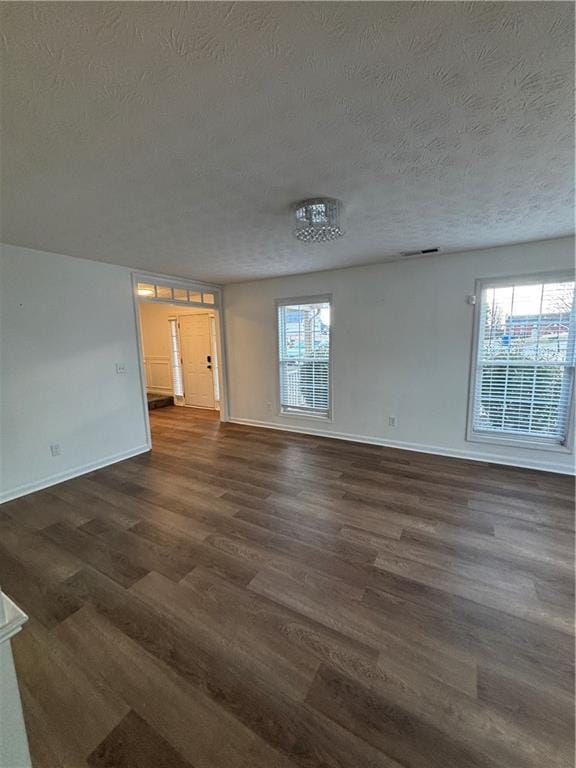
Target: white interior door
{"type": "Point", "coordinates": [197, 367]}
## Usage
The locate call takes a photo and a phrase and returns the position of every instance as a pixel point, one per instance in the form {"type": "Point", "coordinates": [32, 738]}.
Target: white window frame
{"type": "Point", "coordinates": [517, 441]}
{"type": "Point", "coordinates": [297, 412]}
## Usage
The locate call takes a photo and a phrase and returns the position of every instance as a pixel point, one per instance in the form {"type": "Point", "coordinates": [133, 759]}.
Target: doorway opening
{"type": "Point", "coordinates": [180, 336]}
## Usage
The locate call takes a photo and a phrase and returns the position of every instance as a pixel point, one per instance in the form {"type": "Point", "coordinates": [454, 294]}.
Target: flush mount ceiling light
{"type": "Point", "coordinates": [318, 220]}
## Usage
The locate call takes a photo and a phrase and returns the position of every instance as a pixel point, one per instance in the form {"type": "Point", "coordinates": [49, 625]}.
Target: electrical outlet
{"type": "Point", "coordinates": [55, 449]}
{"type": "Point", "coordinates": [392, 422]}
{"type": "Point", "coordinates": [120, 368]}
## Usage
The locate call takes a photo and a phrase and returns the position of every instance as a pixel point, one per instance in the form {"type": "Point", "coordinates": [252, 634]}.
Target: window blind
{"type": "Point", "coordinates": [304, 356]}
{"type": "Point", "coordinates": [525, 360]}
{"type": "Point", "coordinates": [175, 362]}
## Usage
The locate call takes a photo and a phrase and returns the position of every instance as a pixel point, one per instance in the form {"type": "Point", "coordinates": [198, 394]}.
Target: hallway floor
{"type": "Point", "coordinates": [246, 598]}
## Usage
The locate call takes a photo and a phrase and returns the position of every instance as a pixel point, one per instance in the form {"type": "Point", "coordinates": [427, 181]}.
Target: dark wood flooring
{"type": "Point", "coordinates": [244, 598]}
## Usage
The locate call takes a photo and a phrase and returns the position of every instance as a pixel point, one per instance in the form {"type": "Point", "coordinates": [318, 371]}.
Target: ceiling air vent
{"type": "Point", "coordinates": [424, 252]}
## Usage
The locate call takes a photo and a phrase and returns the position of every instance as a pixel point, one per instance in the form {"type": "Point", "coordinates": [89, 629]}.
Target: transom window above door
{"type": "Point", "coordinates": [151, 291]}
{"type": "Point", "coordinates": [523, 382]}
{"type": "Point", "coordinates": [304, 356]}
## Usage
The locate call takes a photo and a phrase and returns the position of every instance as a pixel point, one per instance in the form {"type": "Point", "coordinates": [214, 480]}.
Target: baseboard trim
{"type": "Point", "coordinates": [486, 458]}
{"type": "Point", "coordinates": [47, 482]}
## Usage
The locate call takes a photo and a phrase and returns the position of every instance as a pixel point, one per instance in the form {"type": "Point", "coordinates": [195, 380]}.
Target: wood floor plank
{"type": "Point", "coordinates": [40, 509]}
{"type": "Point", "coordinates": [195, 552]}
{"type": "Point", "coordinates": [518, 600]}
{"type": "Point", "coordinates": [75, 707]}
{"type": "Point", "coordinates": [35, 551]}
{"type": "Point", "coordinates": [462, 626]}
{"type": "Point", "coordinates": [450, 541]}
{"type": "Point", "coordinates": [133, 744]}
{"type": "Point", "coordinates": [379, 716]}
{"type": "Point", "coordinates": [113, 561]}
{"type": "Point", "coordinates": [531, 706]}
{"type": "Point", "coordinates": [501, 579]}
{"type": "Point", "coordinates": [149, 555]}
{"type": "Point", "coordinates": [199, 483]}
{"type": "Point", "coordinates": [36, 595]}
{"type": "Point", "coordinates": [256, 701]}
{"type": "Point", "coordinates": [201, 731]}
{"type": "Point", "coordinates": [245, 598]}
{"type": "Point", "coordinates": [376, 517]}
{"type": "Point", "coordinates": [43, 736]}
{"type": "Point", "coordinates": [263, 756]}
{"type": "Point", "coordinates": [352, 551]}
{"type": "Point", "coordinates": [364, 626]}
{"type": "Point", "coordinates": [250, 651]}
{"type": "Point", "coordinates": [93, 507]}
{"type": "Point", "coordinates": [313, 640]}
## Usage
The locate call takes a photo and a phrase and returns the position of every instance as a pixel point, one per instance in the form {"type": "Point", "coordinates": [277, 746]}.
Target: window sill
{"type": "Point", "coordinates": [517, 442]}
{"type": "Point", "coordinates": [303, 415]}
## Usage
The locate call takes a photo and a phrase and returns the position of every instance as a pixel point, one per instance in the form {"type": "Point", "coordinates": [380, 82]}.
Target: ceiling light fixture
{"type": "Point", "coordinates": [145, 292]}
{"type": "Point", "coordinates": [318, 220]}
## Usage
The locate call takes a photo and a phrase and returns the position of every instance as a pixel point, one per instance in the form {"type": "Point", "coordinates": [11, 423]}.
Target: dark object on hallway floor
{"type": "Point", "coordinates": [246, 598]}
{"type": "Point", "coordinates": [158, 401]}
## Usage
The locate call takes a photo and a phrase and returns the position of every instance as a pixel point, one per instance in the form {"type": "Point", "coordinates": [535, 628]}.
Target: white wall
{"type": "Point", "coordinates": [65, 324]}
{"type": "Point", "coordinates": [401, 346]}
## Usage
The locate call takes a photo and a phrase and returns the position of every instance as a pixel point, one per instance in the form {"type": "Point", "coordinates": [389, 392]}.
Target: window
{"type": "Point", "coordinates": [304, 356]}
{"type": "Point", "coordinates": [175, 362]}
{"type": "Point", "coordinates": [215, 363]}
{"type": "Point", "coordinates": [524, 361]}
{"type": "Point", "coordinates": [164, 292]}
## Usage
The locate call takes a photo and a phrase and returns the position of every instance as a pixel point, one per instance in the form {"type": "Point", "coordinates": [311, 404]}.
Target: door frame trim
{"type": "Point", "coordinates": [218, 310]}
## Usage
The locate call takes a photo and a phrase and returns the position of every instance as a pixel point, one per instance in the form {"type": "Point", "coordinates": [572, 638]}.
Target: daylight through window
{"type": "Point", "coordinates": [524, 375]}
{"type": "Point", "coordinates": [304, 356]}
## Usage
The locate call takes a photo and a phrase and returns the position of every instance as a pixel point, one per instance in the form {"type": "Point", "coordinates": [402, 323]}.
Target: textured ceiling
{"type": "Point", "coordinates": [174, 136]}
